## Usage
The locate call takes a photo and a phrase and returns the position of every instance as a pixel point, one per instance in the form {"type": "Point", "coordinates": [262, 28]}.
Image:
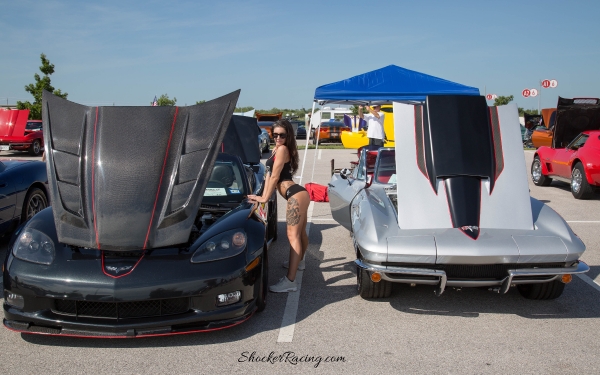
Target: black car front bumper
{"type": "Point", "coordinates": [166, 294]}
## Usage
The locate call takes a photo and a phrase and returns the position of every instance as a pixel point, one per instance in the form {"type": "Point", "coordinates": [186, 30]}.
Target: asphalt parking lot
{"type": "Point", "coordinates": [326, 328]}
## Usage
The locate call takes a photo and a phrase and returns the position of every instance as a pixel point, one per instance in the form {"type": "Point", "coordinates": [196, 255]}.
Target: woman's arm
{"type": "Point", "coordinates": [281, 156]}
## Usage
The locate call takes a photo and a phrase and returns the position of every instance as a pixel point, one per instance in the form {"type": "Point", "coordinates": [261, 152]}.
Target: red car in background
{"type": "Point", "coordinates": [575, 153]}
{"type": "Point", "coordinates": [19, 133]}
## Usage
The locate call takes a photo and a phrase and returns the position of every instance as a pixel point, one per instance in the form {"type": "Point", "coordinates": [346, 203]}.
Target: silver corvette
{"type": "Point", "coordinates": [450, 206]}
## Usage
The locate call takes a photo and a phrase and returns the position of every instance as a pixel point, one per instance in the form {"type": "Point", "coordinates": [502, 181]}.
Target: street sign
{"type": "Point", "coordinates": [533, 92]}
{"type": "Point", "coordinates": [546, 83]}
{"type": "Point", "coordinates": [526, 93]}
{"type": "Point", "coordinates": [488, 96]}
{"type": "Point", "coordinates": [553, 83]}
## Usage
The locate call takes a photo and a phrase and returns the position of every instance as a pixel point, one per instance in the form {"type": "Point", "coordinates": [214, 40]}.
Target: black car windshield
{"type": "Point", "coordinates": [226, 184]}
{"type": "Point", "coordinates": [385, 172]}
{"type": "Point", "coordinates": [33, 126]}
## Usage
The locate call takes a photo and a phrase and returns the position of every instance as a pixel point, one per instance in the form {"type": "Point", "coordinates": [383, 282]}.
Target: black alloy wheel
{"type": "Point", "coordinates": [36, 148]}
{"type": "Point", "coordinates": [261, 299]}
{"type": "Point", "coordinates": [273, 220]}
{"type": "Point", "coordinates": [35, 201]}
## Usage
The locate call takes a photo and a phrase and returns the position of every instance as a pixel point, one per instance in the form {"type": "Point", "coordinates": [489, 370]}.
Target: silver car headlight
{"type": "Point", "coordinates": [34, 246]}
{"type": "Point", "coordinates": [221, 246]}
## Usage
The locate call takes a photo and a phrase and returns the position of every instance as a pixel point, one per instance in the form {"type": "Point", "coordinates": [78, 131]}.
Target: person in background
{"type": "Point", "coordinates": [374, 119]}
{"type": "Point", "coordinates": [281, 166]}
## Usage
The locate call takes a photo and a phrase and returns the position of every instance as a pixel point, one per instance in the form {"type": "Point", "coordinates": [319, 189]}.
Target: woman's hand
{"type": "Point", "coordinates": [257, 198]}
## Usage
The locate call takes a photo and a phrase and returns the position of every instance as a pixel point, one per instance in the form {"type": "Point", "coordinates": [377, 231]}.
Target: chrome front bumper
{"type": "Point", "coordinates": [439, 278]}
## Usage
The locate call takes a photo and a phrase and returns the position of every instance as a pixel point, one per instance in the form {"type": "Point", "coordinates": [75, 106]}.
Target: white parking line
{"type": "Point", "coordinates": [593, 283]}
{"type": "Point", "coordinates": [288, 323]}
{"type": "Point", "coordinates": [319, 157]}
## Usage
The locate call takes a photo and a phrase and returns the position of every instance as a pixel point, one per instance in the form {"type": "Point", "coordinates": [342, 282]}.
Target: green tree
{"type": "Point", "coordinates": [522, 111]}
{"type": "Point", "coordinates": [165, 101]}
{"type": "Point", "coordinates": [503, 100]}
{"type": "Point", "coordinates": [201, 101]}
{"type": "Point", "coordinates": [243, 109]}
{"type": "Point", "coordinates": [36, 89]}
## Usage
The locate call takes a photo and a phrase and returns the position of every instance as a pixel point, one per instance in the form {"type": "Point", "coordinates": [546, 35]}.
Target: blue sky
{"type": "Point", "coordinates": [278, 52]}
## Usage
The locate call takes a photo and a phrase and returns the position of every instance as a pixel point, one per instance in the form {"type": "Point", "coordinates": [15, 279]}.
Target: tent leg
{"type": "Point", "coordinates": [307, 137]}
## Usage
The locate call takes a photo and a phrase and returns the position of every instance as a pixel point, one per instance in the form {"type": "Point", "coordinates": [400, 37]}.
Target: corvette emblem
{"type": "Point", "coordinates": [117, 270]}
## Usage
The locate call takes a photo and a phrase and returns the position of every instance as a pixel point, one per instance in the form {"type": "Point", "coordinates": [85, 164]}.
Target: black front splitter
{"type": "Point", "coordinates": [29, 328]}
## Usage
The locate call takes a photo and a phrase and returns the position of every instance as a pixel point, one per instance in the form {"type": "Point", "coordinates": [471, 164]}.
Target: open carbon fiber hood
{"type": "Point", "coordinates": [574, 116]}
{"type": "Point", "coordinates": [241, 139]}
{"type": "Point", "coordinates": [130, 178]}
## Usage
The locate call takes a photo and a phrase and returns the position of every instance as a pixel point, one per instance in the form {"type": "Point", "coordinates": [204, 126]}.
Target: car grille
{"type": "Point", "coordinates": [473, 271]}
{"type": "Point", "coordinates": [122, 310]}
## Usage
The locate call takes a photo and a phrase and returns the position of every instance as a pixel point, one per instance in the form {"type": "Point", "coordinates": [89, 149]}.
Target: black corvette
{"type": "Point", "coordinates": [23, 192]}
{"type": "Point", "coordinates": [145, 239]}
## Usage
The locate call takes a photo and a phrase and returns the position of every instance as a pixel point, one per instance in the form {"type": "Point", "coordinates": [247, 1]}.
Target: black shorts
{"type": "Point", "coordinates": [293, 190]}
{"type": "Point", "coordinates": [375, 143]}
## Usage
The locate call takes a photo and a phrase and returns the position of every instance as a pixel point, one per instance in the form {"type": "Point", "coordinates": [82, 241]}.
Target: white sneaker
{"type": "Point", "coordinates": [301, 266]}
{"type": "Point", "coordinates": [284, 285]}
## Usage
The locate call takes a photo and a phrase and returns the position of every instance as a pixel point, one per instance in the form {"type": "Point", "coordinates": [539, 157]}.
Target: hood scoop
{"type": "Point", "coordinates": [130, 178]}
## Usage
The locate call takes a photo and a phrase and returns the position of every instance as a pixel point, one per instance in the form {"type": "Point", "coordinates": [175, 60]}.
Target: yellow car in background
{"type": "Point", "coordinates": [359, 139]}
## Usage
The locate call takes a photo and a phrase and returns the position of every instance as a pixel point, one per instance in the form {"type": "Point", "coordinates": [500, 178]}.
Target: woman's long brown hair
{"type": "Point", "coordinates": [290, 142]}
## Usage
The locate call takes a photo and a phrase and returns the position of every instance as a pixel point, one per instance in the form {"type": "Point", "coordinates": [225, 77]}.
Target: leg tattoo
{"type": "Point", "coordinates": [293, 212]}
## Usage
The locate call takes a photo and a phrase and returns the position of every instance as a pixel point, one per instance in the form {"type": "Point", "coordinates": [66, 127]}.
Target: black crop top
{"type": "Point", "coordinates": [286, 172]}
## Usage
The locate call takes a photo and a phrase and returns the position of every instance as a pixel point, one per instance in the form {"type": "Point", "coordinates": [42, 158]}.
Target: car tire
{"type": "Point", "coordinates": [580, 188]}
{"type": "Point", "coordinates": [537, 176]}
{"type": "Point", "coordinates": [261, 299]}
{"type": "Point", "coordinates": [36, 148]}
{"type": "Point", "coordinates": [34, 202]}
{"type": "Point", "coordinates": [274, 223]}
{"type": "Point", "coordinates": [369, 289]}
{"type": "Point", "coordinates": [542, 291]}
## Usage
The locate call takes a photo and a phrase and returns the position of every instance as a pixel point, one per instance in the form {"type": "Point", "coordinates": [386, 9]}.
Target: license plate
{"type": "Point", "coordinates": [4, 148]}
{"type": "Point", "coordinates": [334, 134]}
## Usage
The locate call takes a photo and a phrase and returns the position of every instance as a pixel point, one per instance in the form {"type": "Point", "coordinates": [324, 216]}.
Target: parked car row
{"type": "Point", "coordinates": [574, 153]}
{"type": "Point", "coordinates": [20, 134]}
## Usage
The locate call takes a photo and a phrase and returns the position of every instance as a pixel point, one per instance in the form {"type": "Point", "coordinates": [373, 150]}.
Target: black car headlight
{"type": "Point", "coordinates": [221, 246]}
{"type": "Point", "coordinates": [34, 246]}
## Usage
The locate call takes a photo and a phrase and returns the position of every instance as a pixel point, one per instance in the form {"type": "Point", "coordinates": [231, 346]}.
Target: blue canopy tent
{"type": "Point", "coordinates": [386, 85]}
{"type": "Point", "coordinates": [389, 84]}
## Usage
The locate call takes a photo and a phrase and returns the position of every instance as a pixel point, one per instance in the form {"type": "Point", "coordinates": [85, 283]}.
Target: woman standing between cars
{"type": "Point", "coordinates": [281, 166]}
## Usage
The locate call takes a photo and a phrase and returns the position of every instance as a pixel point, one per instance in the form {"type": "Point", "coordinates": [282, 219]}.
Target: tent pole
{"type": "Point", "coordinates": [307, 137]}
{"type": "Point", "coordinates": [316, 150]}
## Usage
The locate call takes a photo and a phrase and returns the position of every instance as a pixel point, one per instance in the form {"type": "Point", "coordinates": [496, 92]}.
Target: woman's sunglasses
{"type": "Point", "coordinates": [279, 135]}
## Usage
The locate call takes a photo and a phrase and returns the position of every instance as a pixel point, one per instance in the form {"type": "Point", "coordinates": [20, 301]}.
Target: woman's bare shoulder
{"type": "Point", "coordinates": [282, 151]}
